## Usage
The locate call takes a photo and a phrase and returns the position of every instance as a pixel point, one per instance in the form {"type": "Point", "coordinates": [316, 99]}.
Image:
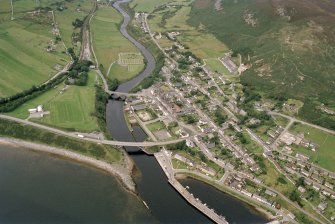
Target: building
{"type": "Point", "coordinates": [271, 193]}
{"type": "Point", "coordinates": [322, 206]}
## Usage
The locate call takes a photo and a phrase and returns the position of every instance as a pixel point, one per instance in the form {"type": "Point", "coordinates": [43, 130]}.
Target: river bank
{"type": "Point", "coordinates": [122, 171]}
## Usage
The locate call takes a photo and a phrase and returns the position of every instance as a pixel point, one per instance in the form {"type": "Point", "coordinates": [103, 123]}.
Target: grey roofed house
{"type": "Point", "coordinates": [210, 145]}
{"type": "Point", "coordinates": [322, 206]}
{"type": "Point", "coordinates": [138, 107]}
{"type": "Point", "coordinates": [271, 193]}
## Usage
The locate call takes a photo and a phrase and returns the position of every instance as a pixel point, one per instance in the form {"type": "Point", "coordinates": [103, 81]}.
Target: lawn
{"type": "Point", "coordinates": [324, 155]}
{"type": "Point", "coordinates": [23, 65]}
{"type": "Point", "coordinates": [108, 42]}
{"type": "Point", "coordinates": [71, 110]}
{"type": "Point", "coordinates": [156, 126]}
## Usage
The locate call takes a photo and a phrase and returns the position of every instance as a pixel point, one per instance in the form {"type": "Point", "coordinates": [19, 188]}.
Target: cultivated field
{"type": "Point", "coordinates": [23, 65]}
{"type": "Point", "coordinates": [111, 48]}
{"type": "Point", "coordinates": [324, 155]}
{"type": "Point", "coordinates": [72, 108]}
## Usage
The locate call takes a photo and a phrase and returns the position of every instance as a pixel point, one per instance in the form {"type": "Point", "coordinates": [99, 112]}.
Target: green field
{"type": "Point", "coordinates": [156, 126]}
{"type": "Point", "coordinates": [216, 66]}
{"type": "Point", "coordinates": [108, 43]}
{"type": "Point", "coordinates": [23, 65]}
{"type": "Point", "coordinates": [71, 110]}
{"type": "Point", "coordinates": [74, 9]}
{"type": "Point", "coordinates": [201, 43]}
{"type": "Point", "coordinates": [324, 155]}
{"type": "Point", "coordinates": [146, 5]}
{"type": "Point", "coordinates": [24, 61]}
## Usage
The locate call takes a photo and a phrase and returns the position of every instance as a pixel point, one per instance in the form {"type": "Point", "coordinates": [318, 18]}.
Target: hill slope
{"type": "Point", "coordinates": [290, 45]}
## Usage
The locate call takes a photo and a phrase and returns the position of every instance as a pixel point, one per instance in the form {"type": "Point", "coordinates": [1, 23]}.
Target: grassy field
{"type": "Point", "coordinates": [23, 65]}
{"type": "Point", "coordinates": [324, 155]}
{"type": "Point", "coordinates": [75, 9]}
{"type": "Point", "coordinates": [72, 109]}
{"type": "Point", "coordinates": [146, 5]}
{"type": "Point", "coordinates": [108, 43]}
{"type": "Point", "coordinates": [216, 66]}
{"type": "Point", "coordinates": [156, 126]}
{"type": "Point", "coordinates": [202, 44]}
{"type": "Point", "coordinates": [291, 54]}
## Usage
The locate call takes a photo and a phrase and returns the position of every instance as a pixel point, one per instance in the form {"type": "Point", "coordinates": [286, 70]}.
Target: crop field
{"type": "Point", "coordinates": [72, 108]}
{"type": "Point", "coordinates": [291, 52]}
{"type": "Point", "coordinates": [23, 65]}
{"type": "Point", "coordinates": [111, 47]}
{"type": "Point", "coordinates": [324, 155]}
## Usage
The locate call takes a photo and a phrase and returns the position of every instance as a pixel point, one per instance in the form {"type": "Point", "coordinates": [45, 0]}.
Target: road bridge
{"type": "Point", "coordinates": [83, 138]}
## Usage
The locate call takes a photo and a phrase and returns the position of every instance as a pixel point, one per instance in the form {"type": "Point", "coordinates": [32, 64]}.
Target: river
{"type": "Point", "coordinates": [164, 202]}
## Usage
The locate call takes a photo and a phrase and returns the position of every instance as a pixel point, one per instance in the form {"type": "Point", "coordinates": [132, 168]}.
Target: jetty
{"type": "Point", "coordinates": [164, 162]}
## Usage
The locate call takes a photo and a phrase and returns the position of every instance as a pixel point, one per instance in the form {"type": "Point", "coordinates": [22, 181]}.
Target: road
{"type": "Point", "coordinates": [283, 197]}
{"type": "Point", "coordinates": [302, 122]}
{"type": "Point", "coordinates": [74, 135]}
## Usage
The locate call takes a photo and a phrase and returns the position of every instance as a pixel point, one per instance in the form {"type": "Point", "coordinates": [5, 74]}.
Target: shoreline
{"type": "Point", "coordinates": [122, 171]}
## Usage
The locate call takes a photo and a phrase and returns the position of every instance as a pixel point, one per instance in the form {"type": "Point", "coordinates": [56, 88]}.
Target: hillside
{"type": "Point", "coordinates": [289, 45]}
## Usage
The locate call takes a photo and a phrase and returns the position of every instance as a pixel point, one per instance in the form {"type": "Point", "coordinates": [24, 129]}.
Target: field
{"type": "Point", "coordinates": [112, 49]}
{"type": "Point", "coordinates": [76, 9]}
{"type": "Point", "coordinates": [216, 66]}
{"type": "Point", "coordinates": [291, 52]}
{"type": "Point", "coordinates": [72, 109]}
{"type": "Point", "coordinates": [324, 155]}
{"type": "Point", "coordinates": [156, 126]}
{"type": "Point", "coordinates": [146, 5]}
{"type": "Point", "coordinates": [201, 43]}
{"type": "Point", "coordinates": [23, 65]}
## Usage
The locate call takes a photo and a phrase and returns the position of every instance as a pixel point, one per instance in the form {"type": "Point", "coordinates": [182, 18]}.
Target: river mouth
{"type": "Point", "coordinates": [151, 183]}
{"type": "Point", "coordinates": [36, 187]}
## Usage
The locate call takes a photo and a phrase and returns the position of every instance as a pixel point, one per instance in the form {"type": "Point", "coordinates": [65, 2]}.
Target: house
{"type": "Point", "coordinates": [322, 206]}
{"type": "Point", "coordinates": [301, 189]}
{"type": "Point", "coordinates": [138, 107]}
{"type": "Point", "coordinates": [189, 143]}
{"type": "Point", "coordinates": [329, 185]}
{"type": "Point", "coordinates": [316, 188]}
{"type": "Point", "coordinates": [271, 193]}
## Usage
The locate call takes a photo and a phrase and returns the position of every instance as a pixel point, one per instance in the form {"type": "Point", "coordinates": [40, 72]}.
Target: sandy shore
{"type": "Point", "coordinates": [121, 170]}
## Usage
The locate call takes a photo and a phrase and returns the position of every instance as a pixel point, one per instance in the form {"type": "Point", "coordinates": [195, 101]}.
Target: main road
{"type": "Point", "coordinates": [75, 135]}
